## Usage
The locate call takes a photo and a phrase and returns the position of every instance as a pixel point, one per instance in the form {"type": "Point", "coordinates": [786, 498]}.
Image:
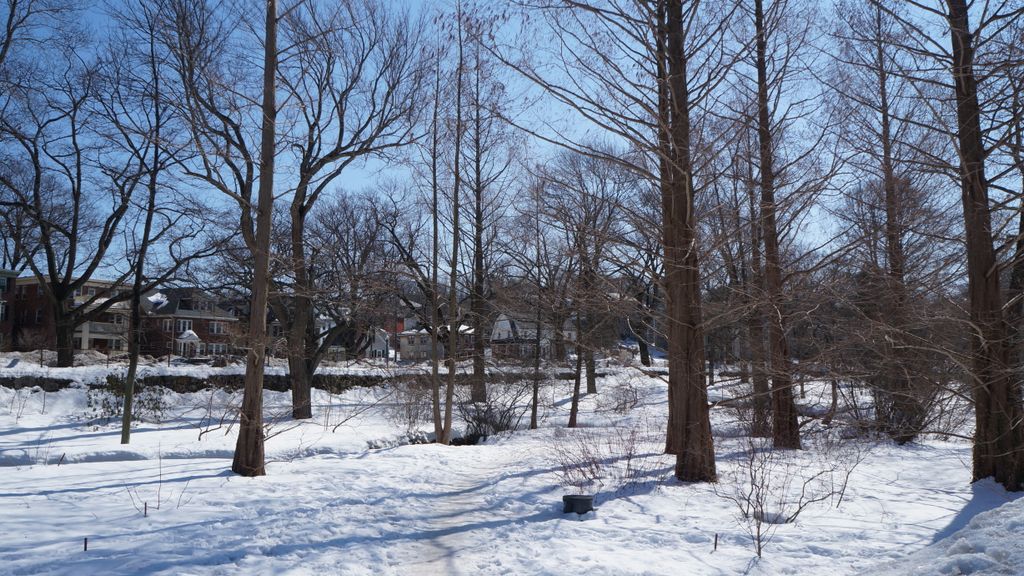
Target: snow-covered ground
{"type": "Point", "coordinates": [346, 494]}
{"type": "Point", "coordinates": [92, 367]}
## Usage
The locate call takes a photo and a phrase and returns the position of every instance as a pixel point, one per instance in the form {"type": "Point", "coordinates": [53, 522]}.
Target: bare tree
{"type": "Point", "coordinates": [996, 391]}
{"type": "Point", "coordinates": [490, 152]}
{"type": "Point", "coordinates": [889, 216]}
{"type": "Point", "coordinates": [141, 126]}
{"type": "Point", "coordinates": [674, 54]}
{"type": "Point", "coordinates": [582, 200]}
{"type": "Point", "coordinates": [67, 183]}
{"type": "Point", "coordinates": [355, 83]}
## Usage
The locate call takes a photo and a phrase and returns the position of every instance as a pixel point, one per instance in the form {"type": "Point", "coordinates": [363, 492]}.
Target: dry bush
{"type": "Point", "coordinates": [773, 487]}
{"type": "Point", "coordinates": [621, 459]}
{"type": "Point", "coordinates": [503, 411]}
{"type": "Point", "coordinates": [409, 407]}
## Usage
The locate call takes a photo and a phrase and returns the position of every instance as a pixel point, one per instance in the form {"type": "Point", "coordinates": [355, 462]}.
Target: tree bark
{"type": "Point", "coordinates": [785, 430]}
{"type": "Point", "coordinates": [761, 421]}
{"type": "Point", "coordinates": [999, 433]}
{"type": "Point", "coordinates": [301, 340]}
{"type": "Point", "coordinates": [574, 406]}
{"type": "Point", "coordinates": [65, 333]}
{"type": "Point", "coordinates": [689, 432]}
{"type": "Point", "coordinates": [453, 287]}
{"type": "Point", "coordinates": [435, 354]}
{"type": "Point", "coordinates": [301, 375]}
{"type": "Point", "coordinates": [249, 457]}
{"type": "Point", "coordinates": [135, 321]}
{"type": "Point", "coordinates": [478, 386]}
{"type": "Point", "coordinates": [591, 371]}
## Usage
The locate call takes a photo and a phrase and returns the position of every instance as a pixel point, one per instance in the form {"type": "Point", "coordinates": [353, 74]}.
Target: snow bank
{"type": "Point", "coordinates": [989, 544]}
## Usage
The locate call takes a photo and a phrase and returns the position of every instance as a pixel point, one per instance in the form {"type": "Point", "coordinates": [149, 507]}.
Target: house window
{"type": "Point", "coordinates": [412, 340]}
{"type": "Point", "coordinates": [118, 319]}
{"type": "Point", "coordinates": [116, 345]}
{"type": "Point", "coordinates": [3, 284]}
{"type": "Point", "coordinates": [185, 304]}
{"type": "Point", "coordinates": [168, 325]}
{"type": "Point", "coordinates": [3, 311]}
{"type": "Point", "coordinates": [21, 291]}
{"type": "Point", "coordinates": [183, 325]}
{"type": "Point", "coordinates": [423, 339]}
{"type": "Point", "coordinates": [276, 331]}
{"type": "Point", "coordinates": [217, 328]}
{"type": "Point", "coordinates": [39, 315]}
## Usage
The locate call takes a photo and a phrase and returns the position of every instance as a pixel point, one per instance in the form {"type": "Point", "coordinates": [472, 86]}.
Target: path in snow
{"type": "Point", "coordinates": [448, 522]}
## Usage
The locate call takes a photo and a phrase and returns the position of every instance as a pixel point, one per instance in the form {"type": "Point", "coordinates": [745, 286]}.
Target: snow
{"type": "Point", "coordinates": [331, 503]}
{"type": "Point", "coordinates": [988, 544]}
{"type": "Point", "coordinates": [158, 299]}
{"type": "Point", "coordinates": [92, 367]}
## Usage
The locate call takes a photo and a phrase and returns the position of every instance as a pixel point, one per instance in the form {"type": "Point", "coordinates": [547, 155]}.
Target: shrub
{"type": "Point", "coordinates": [105, 402]}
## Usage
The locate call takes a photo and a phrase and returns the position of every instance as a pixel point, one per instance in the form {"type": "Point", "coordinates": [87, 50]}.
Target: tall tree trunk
{"type": "Point", "coordinates": [673, 437]}
{"type": "Point", "coordinates": [249, 458]}
{"type": "Point", "coordinates": [64, 327]}
{"type": "Point", "coordinates": [785, 430]}
{"type": "Point", "coordinates": [711, 364]}
{"type": "Point", "coordinates": [644, 353]}
{"type": "Point", "coordinates": [302, 328]}
{"type": "Point", "coordinates": [435, 355]}
{"type": "Point", "coordinates": [535, 399]}
{"type": "Point", "coordinates": [641, 332]}
{"type": "Point", "coordinates": [135, 320]}
{"type": "Point", "coordinates": [591, 371]}
{"type": "Point", "coordinates": [905, 411]}
{"type": "Point", "coordinates": [574, 406]}
{"type": "Point", "coordinates": [1015, 312]}
{"type": "Point", "coordinates": [558, 342]}
{"type": "Point", "coordinates": [478, 386]}
{"type": "Point", "coordinates": [301, 375]}
{"type": "Point", "coordinates": [301, 332]}
{"type": "Point", "coordinates": [761, 421]}
{"type": "Point", "coordinates": [690, 426]}
{"type": "Point", "coordinates": [453, 287]}
{"type": "Point", "coordinates": [999, 433]}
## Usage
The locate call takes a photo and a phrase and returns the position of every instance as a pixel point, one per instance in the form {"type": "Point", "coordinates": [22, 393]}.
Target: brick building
{"type": "Point", "coordinates": [187, 321]}
{"type": "Point", "coordinates": [183, 321]}
{"type": "Point", "coordinates": [27, 323]}
{"type": "Point", "coordinates": [7, 281]}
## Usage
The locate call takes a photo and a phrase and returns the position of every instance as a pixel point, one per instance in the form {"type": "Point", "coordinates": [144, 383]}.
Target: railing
{"type": "Point", "coordinates": [106, 328]}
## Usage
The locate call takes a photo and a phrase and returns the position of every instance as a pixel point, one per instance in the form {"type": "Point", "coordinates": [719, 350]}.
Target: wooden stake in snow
{"type": "Point", "coordinates": [85, 544]}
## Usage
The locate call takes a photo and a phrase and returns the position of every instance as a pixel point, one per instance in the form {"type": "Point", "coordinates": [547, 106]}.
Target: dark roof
{"type": "Point", "coordinates": [183, 302]}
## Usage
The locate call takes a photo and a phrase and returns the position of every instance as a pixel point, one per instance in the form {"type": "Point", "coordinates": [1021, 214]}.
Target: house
{"type": "Point", "coordinates": [186, 322]}
{"type": "Point", "coordinates": [29, 323]}
{"type": "Point", "coordinates": [7, 281]}
{"type": "Point", "coordinates": [415, 345]}
{"type": "Point", "coordinates": [515, 336]}
{"type": "Point", "coordinates": [380, 344]}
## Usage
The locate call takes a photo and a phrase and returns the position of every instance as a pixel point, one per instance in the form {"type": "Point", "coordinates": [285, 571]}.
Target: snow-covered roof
{"type": "Point", "coordinates": [462, 330]}
{"type": "Point", "coordinates": [188, 336]}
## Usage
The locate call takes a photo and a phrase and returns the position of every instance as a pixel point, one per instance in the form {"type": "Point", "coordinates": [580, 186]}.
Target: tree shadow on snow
{"type": "Point", "coordinates": [985, 495]}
